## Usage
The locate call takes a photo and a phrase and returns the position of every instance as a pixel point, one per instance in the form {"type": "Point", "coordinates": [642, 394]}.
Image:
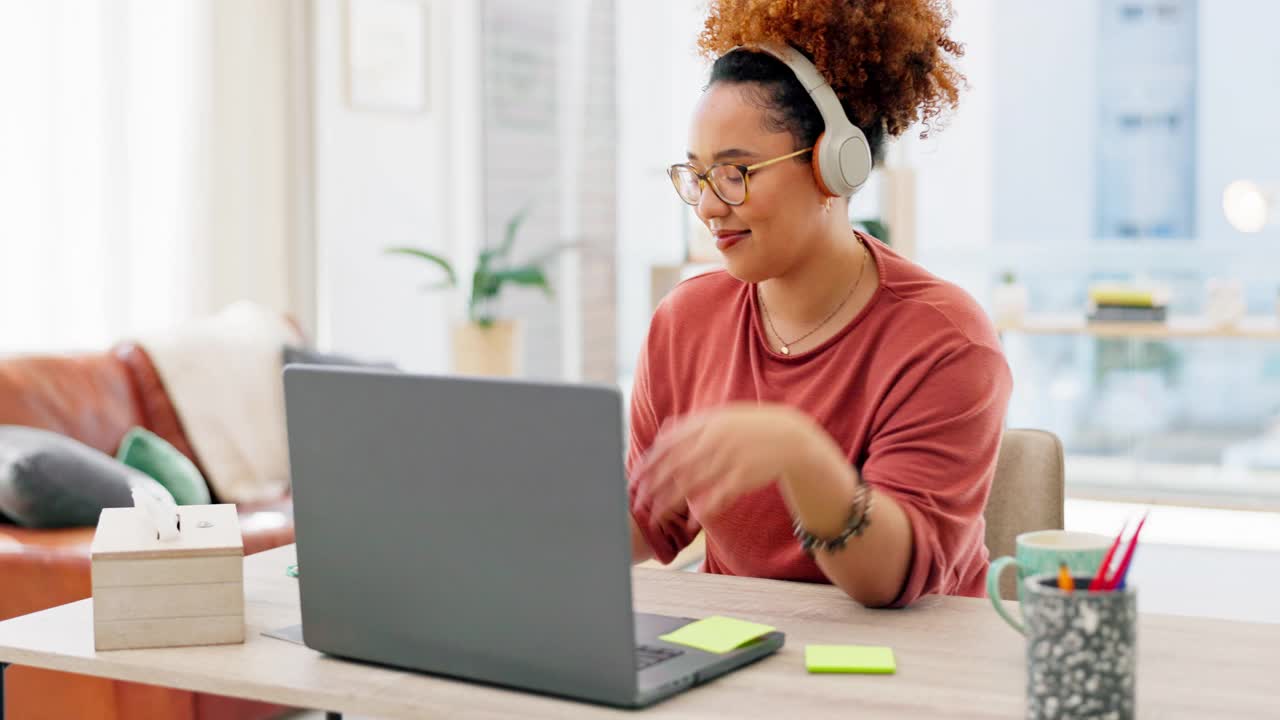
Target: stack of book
{"type": "Point", "coordinates": [1127, 304]}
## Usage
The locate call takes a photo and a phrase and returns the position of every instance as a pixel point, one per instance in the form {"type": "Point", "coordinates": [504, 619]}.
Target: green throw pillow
{"type": "Point", "coordinates": [143, 450]}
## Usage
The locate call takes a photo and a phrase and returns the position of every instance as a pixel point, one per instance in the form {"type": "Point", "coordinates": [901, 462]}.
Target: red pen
{"type": "Point", "coordinates": [1120, 572]}
{"type": "Point", "coordinates": [1097, 582]}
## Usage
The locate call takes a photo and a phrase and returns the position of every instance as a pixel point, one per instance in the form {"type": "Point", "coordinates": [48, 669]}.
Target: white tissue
{"type": "Point", "coordinates": [160, 517]}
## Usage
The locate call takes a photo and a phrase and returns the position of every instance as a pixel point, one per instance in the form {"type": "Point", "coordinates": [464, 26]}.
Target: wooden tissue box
{"type": "Point", "coordinates": [188, 591]}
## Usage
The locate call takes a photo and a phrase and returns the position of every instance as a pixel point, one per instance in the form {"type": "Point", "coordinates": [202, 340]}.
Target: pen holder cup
{"type": "Point", "coordinates": [1081, 650]}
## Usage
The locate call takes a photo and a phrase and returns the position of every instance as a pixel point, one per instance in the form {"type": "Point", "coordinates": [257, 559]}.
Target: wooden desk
{"type": "Point", "coordinates": [955, 659]}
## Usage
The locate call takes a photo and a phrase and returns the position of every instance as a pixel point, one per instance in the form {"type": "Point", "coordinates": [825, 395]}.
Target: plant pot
{"type": "Point", "coordinates": [1225, 304]}
{"type": "Point", "coordinates": [1010, 304]}
{"type": "Point", "coordinates": [492, 351]}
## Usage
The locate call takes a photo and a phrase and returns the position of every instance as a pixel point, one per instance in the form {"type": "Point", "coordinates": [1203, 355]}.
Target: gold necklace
{"type": "Point", "coordinates": [786, 346]}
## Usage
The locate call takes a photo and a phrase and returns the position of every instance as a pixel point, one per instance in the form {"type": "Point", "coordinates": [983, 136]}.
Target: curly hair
{"type": "Point", "coordinates": [889, 61]}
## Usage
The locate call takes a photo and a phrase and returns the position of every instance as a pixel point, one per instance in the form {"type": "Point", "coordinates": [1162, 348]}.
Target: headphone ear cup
{"type": "Point", "coordinates": [855, 160]}
{"type": "Point", "coordinates": [841, 164]}
{"type": "Point", "coordinates": [829, 164]}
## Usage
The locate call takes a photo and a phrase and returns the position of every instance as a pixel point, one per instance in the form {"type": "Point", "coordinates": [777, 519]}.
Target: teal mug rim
{"type": "Point", "coordinates": [1026, 538]}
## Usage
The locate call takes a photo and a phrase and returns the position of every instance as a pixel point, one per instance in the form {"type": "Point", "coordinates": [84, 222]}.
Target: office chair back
{"type": "Point", "coordinates": [1026, 494]}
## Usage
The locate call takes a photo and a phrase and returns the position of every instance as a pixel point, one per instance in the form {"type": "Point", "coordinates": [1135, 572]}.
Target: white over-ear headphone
{"type": "Point", "coordinates": [842, 156]}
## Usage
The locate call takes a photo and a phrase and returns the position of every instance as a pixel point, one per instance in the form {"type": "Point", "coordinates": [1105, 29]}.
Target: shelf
{"type": "Point", "coordinates": [1255, 328]}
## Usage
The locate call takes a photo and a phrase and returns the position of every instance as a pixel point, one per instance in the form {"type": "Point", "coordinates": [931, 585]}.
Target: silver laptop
{"type": "Point", "coordinates": [477, 529]}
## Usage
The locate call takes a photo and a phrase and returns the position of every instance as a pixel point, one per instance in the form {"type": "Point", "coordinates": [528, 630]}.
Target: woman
{"type": "Point", "coordinates": [824, 409]}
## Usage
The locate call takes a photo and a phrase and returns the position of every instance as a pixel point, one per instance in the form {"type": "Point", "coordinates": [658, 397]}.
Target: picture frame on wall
{"type": "Point", "coordinates": [386, 55]}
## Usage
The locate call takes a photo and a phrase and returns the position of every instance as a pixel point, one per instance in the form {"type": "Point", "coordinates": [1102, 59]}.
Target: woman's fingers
{"type": "Point", "coordinates": [680, 474]}
{"type": "Point", "coordinates": [658, 451]}
{"type": "Point", "coordinates": [669, 481]}
{"type": "Point", "coordinates": [653, 470]}
{"type": "Point", "coordinates": [715, 486]}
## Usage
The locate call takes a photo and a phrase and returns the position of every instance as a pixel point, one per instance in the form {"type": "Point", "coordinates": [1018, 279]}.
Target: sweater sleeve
{"type": "Point", "coordinates": [935, 455]}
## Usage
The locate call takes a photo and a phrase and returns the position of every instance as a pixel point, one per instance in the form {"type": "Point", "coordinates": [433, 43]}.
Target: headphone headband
{"type": "Point", "coordinates": [842, 158]}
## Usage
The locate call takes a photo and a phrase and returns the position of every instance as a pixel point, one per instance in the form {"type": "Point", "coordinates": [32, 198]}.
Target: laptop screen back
{"type": "Point", "coordinates": [467, 527]}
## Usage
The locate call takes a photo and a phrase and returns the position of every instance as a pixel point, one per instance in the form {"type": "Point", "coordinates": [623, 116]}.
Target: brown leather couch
{"type": "Point", "coordinates": [96, 398]}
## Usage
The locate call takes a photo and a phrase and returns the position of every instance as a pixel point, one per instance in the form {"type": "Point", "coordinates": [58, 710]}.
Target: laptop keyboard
{"type": "Point", "coordinates": [648, 655]}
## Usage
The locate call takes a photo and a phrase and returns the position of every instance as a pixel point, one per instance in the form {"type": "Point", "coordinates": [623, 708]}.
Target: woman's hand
{"type": "Point", "coordinates": [713, 458]}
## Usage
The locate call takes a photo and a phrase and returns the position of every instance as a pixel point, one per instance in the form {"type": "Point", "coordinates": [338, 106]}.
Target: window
{"type": "Point", "coordinates": [1168, 100]}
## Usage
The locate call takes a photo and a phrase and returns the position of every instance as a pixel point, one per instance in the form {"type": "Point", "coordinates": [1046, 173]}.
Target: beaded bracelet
{"type": "Point", "coordinates": [859, 520]}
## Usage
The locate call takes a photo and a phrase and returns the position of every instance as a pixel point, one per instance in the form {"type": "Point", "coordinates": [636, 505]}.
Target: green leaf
{"type": "Point", "coordinates": [876, 229]}
{"type": "Point", "coordinates": [445, 265]}
{"type": "Point", "coordinates": [527, 275]}
{"type": "Point", "coordinates": [543, 258]}
{"type": "Point", "coordinates": [484, 286]}
{"type": "Point", "coordinates": [509, 237]}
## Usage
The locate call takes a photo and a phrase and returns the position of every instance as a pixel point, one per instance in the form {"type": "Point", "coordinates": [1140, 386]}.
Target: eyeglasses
{"type": "Point", "coordinates": [727, 180]}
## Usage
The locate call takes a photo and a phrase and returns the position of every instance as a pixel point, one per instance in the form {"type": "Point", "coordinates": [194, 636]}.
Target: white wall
{"type": "Point", "coordinates": [1046, 105]}
{"type": "Point", "coordinates": [1239, 101]}
{"type": "Point", "coordinates": [660, 78]}
{"type": "Point", "coordinates": [589, 204]}
{"type": "Point", "coordinates": [418, 179]}
{"type": "Point", "coordinates": [573, 26]}
{"type": "Point", "coordinates": [388, 178]}
{"type": "Point", "coordinates": [247, 255]}
{"type": "Point", "coordinates": [1195, 561]}
{"type": "Point", "coordinates": [524, 48]}
{"type": "Point", "coordinates": [953, 167]}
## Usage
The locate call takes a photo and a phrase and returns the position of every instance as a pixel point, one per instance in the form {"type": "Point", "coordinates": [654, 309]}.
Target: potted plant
{"type": "Point", "coordinates": [485, 344]}
{"type": "Point", "coordinates": [1010, 301]}
{"type": "Point", "coordinates": [874, 227]}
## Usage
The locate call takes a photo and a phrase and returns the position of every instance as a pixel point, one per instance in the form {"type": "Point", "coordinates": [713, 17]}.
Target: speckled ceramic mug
{"type": "Point", "coordinates": [1081, 650]}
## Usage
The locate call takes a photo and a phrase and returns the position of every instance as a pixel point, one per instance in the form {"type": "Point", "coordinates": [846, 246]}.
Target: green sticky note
{"type": "Point", "coordinates": [717, 634]}
{"type": "Point", "coordinates": [849, 659]}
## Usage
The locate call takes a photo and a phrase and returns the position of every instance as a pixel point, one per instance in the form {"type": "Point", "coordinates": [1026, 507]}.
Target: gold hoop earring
{"type": "Point", "coordinates": [826, 205]}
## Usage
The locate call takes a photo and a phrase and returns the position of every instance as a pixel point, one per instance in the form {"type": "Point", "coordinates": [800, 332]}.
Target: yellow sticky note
{"type": "Point", "coordinates": [849, 659]}
{"type": "Point", "coordinates": [717, 634]}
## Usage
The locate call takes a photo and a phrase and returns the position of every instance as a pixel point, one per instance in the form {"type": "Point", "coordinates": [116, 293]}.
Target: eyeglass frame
{"type": "Point", "coordinates": [704, 178]}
